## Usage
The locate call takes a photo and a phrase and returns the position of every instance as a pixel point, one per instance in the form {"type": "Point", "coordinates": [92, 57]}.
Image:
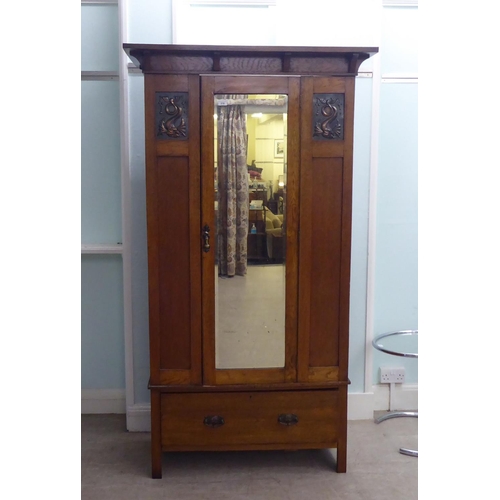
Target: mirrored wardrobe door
{"type": "Point", "coordinates": [248, 281]}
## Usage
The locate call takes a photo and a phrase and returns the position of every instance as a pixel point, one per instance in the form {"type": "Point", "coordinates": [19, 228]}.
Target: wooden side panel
{"type": "Point", "coordinates": [173, 207]}
{"type": "Point", "coordinates": [326, 224]}
{"type": "Point", "coordinates": [173, 262]}
{"type": "Point", "coordinates": [325, 218]}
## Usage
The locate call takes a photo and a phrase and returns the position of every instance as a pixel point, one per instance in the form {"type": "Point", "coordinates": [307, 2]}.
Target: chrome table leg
{"type": "Point", "coordinates": [396, 414]}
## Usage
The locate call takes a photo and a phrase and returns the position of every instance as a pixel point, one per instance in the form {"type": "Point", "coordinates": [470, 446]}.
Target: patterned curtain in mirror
{"type": "Point", "coordinates": [232, 189]}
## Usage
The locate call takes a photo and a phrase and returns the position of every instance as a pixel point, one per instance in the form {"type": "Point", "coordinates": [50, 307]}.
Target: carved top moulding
{"type": "Point", "coordinates": [268, 60]}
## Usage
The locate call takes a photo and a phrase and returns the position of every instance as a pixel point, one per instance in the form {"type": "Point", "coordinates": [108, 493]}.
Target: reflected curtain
{"type": "Point", "coordinates": [232, 189]}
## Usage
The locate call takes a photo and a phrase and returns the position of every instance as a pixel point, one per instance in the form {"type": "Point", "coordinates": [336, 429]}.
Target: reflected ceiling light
{"type": "Point", "coordinates": [256, 115]}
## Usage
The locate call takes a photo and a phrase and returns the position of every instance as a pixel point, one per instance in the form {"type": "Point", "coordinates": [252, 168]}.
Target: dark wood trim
{"type": "Point", "coordinates": [156, 469]}
{"type": "Point", "coordinates": [244, 376]}
{"type": "Point", "coordinates": [195, 224]}
{"type": "Point", "coordinates": [175, 376]}
{"type": "Point", "coordinates": [185, 50]}
{"type": "Point", "coordinates": [286, 61]}
{"type": "Point", "coordinates": [254, 447]}
{"type": "Point", "coordinates": [286, 386]}
{"type": "Point", "coordinates": [152, 228]}
{"type": "Point", "coordinates": [292, 233]}
{"type": "Point", "coordinates": [305, 236]}
{"type": "Point", "coordinates": [345, 268]}
{"type": "Point", "coordinates": [323, 373]}
{"type": "Point", "coordinates": [153, 58]}
{"type": "Point", "coordinates": [342, 431]}
{"type": "Point", "coordinates": [208, 218]}
{"type": "Point", "coordinates": [216, 64]}
{"type": "Point", "coordinates": [354, 62]}
{"type": "Point", "coordinates": [231, 84]}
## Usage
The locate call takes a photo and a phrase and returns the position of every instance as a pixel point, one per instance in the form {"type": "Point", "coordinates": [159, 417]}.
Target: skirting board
{"type": "Point", "coordinates": [103, 401]}
{"type": "Point", "coordinates": [361, 405]}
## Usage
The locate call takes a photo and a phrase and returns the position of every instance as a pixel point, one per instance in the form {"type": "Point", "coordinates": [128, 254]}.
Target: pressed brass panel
{"type": "Point", "coordinates": [172, 115]}
{"type": "Point", "coordinates": [328, 117]}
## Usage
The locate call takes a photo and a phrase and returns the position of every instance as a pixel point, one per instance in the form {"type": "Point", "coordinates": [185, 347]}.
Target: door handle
{"type": "Point", "coordinates": [206, 238]}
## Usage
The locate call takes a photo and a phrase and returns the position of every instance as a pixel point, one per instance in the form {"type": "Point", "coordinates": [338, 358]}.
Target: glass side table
{"type": "Point", "coordinates": [394, 343]}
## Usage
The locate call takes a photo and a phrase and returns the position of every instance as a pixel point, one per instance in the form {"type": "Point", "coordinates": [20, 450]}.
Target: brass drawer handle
{"type": "Point", "coordinates": [288, 419]}
{"type": "Point", "coordinates": [213, 421]}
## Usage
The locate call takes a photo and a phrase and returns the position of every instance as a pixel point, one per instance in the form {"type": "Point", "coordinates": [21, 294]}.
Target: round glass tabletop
{"type": "Point", "coordinates": [401, 343]}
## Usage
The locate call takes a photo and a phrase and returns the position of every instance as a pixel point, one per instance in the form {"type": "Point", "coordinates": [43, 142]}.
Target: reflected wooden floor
{"type": "Point", "coordinates": [250, 318]}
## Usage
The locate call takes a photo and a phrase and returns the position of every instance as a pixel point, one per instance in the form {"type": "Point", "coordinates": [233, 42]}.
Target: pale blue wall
{"type": "Point", "coordinates": [149, 21]}
{"type": "Point", "coordinates": [101, 170]}
{"type": "Point", "coordinates": [102, 334]}
{"type": "Point", "coordinates": [99, 31]}
{"type": "Point", "coordinates": [140, 312]}
{"type": "Point", "coordinates": [359, 251]}
{"type": "Point", "coordinates": [396, 264]}
{"type": "Point", "coordinates": [399, 41]}
{"type": "Point", "coordinates": [103, 352]}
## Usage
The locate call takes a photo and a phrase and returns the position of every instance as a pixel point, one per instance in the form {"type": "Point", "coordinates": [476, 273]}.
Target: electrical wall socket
{"type": "Point", "coordinates": [392, 375]}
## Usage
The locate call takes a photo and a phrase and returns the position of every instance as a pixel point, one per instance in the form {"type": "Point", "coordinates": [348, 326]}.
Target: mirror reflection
{"type": "Point", "coordinates": [250, 134]}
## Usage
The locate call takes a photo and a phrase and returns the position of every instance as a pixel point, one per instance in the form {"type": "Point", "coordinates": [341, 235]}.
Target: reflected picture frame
{"type": "Point", "coordinates": [279, 148]}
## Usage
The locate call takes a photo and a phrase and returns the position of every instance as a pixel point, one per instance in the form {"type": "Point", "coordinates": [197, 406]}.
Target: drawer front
{"type": "Point", "coordinates": [250, 420]}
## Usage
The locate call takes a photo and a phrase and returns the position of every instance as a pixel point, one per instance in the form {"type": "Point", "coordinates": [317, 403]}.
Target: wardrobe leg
{"type": "Point", "coordinates": [341, 456]}
{"type": "Point", "coordinates": [342, 439]}
{"type": "Point", "coordinates": [156, 472]}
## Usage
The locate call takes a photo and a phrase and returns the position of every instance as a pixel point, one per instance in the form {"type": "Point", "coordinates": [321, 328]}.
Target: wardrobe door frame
{"type": "Point", "coordinates": [239, 84]}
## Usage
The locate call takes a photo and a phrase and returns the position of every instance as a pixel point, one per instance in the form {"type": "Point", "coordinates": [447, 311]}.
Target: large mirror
{"type": "Point", "coordinates": [250, 134]}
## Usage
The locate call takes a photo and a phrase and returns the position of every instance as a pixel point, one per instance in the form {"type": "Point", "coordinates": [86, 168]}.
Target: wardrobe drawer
{"type": "Point", "coordinates": [250, 420]}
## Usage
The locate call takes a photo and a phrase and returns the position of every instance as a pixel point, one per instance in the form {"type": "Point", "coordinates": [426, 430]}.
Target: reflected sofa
{"type": "Point", "coordinates": [274, 231]}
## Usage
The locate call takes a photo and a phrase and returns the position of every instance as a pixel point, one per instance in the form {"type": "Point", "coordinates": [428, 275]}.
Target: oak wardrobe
{"type": "Point", "coordinates": [249, 154]}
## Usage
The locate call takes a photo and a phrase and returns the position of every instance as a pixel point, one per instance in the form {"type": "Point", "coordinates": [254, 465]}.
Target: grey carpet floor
{"type": "Point", "coordinates": [116, 466]}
